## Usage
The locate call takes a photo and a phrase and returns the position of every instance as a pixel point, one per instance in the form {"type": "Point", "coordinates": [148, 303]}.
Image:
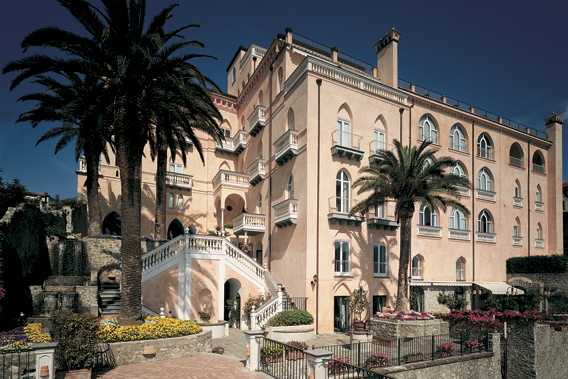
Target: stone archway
{"type": "Point", "coordinates": [175, 229]}
{"type": "Point", "coordinates": [233, 291]}
{"type": "Point", "coordinates": [112, 224]}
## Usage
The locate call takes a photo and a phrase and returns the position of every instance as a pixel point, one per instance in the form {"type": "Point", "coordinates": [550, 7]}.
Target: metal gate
{"type": "Point", "coordinates": [282, 361]}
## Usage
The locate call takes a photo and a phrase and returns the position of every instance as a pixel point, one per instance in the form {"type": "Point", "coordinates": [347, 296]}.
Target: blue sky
{"type": "Point", "coordinates": [509, 58]}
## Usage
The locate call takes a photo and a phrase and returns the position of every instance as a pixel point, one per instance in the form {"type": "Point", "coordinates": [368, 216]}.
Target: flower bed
{"type": "Point", "coordinates": [405, 315]}
{"type": "Point", "coordinates": [22, 338]}
{"type": "Point", "coordinates": [153, 328]}
{"type": "Point", "coordinates": [387, 326]}
{"type": "Point", "coordinates": [376, 360]}
{"type": "Point", "coordinates": [492, 320]}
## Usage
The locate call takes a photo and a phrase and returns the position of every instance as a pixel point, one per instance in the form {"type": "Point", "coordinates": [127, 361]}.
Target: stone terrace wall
{"type": "Point", "coordinates": [126, 353]}
{"type": "Point", "coordinates": [390, 329]}
{"type": "Point", "coordinates": [560, 281]}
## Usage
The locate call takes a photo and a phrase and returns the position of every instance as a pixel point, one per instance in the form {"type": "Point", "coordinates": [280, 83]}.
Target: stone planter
{"type": "Point", "coordinates": [285, 334]}
{"type": "Point", "coordinates": [388, 329]}
{"type": "Point", "coordinates": [413, 358]}
{"type": "Point", "coordinates": [219, 329]}
{"type": "Point", "coordinates": [363, 336]}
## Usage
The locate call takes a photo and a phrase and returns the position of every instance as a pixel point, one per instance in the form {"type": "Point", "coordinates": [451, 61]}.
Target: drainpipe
{"type": "Point", "coordinates": [401, 110]}
{"type": "Point", "coordinates": [318, 82]}
{"type": "Point", "coordinates": [529, 199]}
{"type": "Point", "coordinates": [409, 125]}
{"type": "Point", "coordinates": [473, 202]}
{"type": "Point", "coordinates": [269, 166]}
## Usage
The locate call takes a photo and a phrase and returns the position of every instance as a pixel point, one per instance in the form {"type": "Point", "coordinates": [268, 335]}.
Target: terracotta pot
{"type": "Point", "coordinates": [414, 358]}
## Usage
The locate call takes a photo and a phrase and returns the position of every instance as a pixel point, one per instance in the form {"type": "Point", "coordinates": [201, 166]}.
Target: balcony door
{"type": "Point", "coordinates": [344, 133]}
{"type": "Point", "coordinates": [380, 140]}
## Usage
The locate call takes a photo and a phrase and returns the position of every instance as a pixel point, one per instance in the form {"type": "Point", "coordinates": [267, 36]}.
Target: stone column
{"type": "Point", "coordinates": [253, 318]}
{"type": "Point", "coordinates": [317, 367]}
{"type": "Point", "coordinates": [253, 349]}
{"type": "Point", "coordinates": [44, 357]}
{"type": "Point", "coordinates": [279, 292]}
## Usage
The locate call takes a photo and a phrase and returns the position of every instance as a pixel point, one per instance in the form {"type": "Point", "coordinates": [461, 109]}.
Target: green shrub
{"type": "Point", "coordinates": [537, 264]}
{"type": "Point", "coordinates": [77, 335]}
{"type": "Point", "coordinates": [296, 317]}
{"type": "Point", "coordinates": [452, 301]}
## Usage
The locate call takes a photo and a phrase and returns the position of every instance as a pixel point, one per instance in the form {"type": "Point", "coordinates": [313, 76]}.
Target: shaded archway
{"type": "Point", "coordinates": [112, 224]}
{"type": "Point", "coordinates": [175, 229]}
{"type": "Point", "coordinates": [232, 291]}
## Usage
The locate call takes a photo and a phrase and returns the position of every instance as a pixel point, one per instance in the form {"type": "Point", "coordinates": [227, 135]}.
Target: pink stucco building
{"type": "Point", "coordinates": [300, 120]}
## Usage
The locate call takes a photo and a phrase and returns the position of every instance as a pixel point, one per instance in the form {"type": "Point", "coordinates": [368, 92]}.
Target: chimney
{"type": "Point", "coordinates": [387, 58]}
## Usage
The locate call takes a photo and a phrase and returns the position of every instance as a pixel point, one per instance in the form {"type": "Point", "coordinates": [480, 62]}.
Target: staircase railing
{"type": "Point", "coordinates": [163, 252]}
{"type": "Point", "coordinates": [236, 255]}
{"type": "Point", "coordinates": [266, 311]}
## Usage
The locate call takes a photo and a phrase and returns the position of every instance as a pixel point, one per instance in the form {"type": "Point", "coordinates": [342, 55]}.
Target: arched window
{"type": "Point", "coordinates": [517, 190]}
{"type": "Point", "coordinates": [538, 162]}
{"type": "Point", "coordinates": [538, 197]}
{"type": "Point", "coordinates": [457, 138]}
{"type": "Point", "coordinates": [180, 202]}
{"type": "Point", "coordinates": [234, 75]}
{"type": "Point", "coordinates": [484, 222]}
{"type": "Point", "coordinates": [516, 156]}
{"type": "Point", "coordinates": [457, 169]}
{"type": "Point", "coordinates": [417, 267]}
{"type": "Point", "coordinates": [428, 162]}
{"type": "Point", "coordinates": [517, 228]}
{"type": "Point", "coordinates": [290, 187]}
{"type": "Point", "coordinates": [291, 119]}
{"type": "Point", "coordinates": [427, 217]}
{"type": "Point", "coordinates": [457, 220]}
{"type": "Point", "coordinates": [259, 205]}
{"type": "Point", "coordinates": [460, 268]}
{"type": "Point", "coordinates": [260, 98]}
{"type": "Point", "coordinates": [112, 224]}
{"type": "Point", "coordinates": [171, 200]}
{"type": "Point", "coordinates": [342, 192]}
{"type": "Point", "coordinates": [427, 130]}
{"type": "Point", "coordinates": [484, 181]}
{"type": "Point", "coordinates": [539, 235]}
{"type": "Point", "coordinates": [280, 79]}
{"type": "Point", "coordinates": [484, 146]}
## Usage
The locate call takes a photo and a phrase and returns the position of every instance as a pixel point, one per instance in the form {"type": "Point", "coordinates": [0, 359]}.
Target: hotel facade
{"type": "Point", "coordinates": [300, 120]}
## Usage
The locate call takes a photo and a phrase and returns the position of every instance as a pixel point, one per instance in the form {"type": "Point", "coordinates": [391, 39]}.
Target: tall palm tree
{"type": "Point", "coordinates": [136, 64]}
{"type": "Point", "coordinates": [413, 175]}
{"type": "Point", "coordinates": [79, 105]}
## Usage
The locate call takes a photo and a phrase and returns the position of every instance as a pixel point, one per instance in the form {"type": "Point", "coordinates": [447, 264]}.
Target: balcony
{"type": "Point", "coordinates": [485, 153]}
{"type": "Point", "coordinates": [517, 162]}
{"type": "Point", "coordinates": [339, 208]}
{"type": "Point", "coordinates": [517, 241]}
{"type": "Point", "coordinates": [256, 120]}
{"type": "Point", "coordinates": [463, 191]}
{"type": "Point", "coordinates": [179, 180]}
{"type": "Point", "coordinates": [429, 231]}
{"type": "Point", "coordinates": [485, 195]}
{"type": "Point", "coordinates": [286, 147]}
{"type": "Point", "coordinates": [256, 171]}
{"type": "Point", "coordinates": [346, 144]}
{"type": "Point", "coordinates": [458, 234]}
{"type": "Point", "coordinates": [486, 237]}
{"type": "Point", "coordinates": [286, 213]}
{"type": "Point", "coordinates": [539, 169]}
{"type": "Point", "coordinates": [518, 202]}
{"type": "Point", "coordinates": [539, 244]}
{"type": "Point", "coordinates": [375, 147]}
{"type": "Point", "coordinates": [382, 218]}
{"type": "Point", "coordinates": [248, 223]}
{"type": "Point", "coordinates": [83, 165]}
{"type": "Point", "coordinates": [538, 206]}
{"type": "Point", "coordinates": [233, 145]}
{"type": "Point", "coordinates": [230, 179]}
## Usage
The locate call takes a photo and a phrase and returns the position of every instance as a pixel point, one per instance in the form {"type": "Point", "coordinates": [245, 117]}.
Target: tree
{"type": "Point", "coordinates": [140, 68]}
{"type": "Point", "coordinates": [413, 175]}
{"type": "Point", "coordinates": [80, 105]}
{"type": "Point", "coordinates": [11, 194]}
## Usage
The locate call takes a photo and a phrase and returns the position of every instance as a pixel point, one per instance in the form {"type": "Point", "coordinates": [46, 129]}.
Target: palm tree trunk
{"type": "Point", "coordinates": [161, 195]}
{"type": "Point", "coordinates": [93, 202]}
{"type": "Point", "coordinates": [402, 301]}
{"type": "Point", "coordinates": [129, 163]}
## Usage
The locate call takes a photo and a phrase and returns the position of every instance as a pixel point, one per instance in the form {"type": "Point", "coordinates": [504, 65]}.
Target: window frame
{"type": "Point", "coordinates": [180, 202]}
{"type": "Point", "coordinates": [460, 269]}
{"type": "Point", "coordinates": [461, 221]}
{"type": "Point", "coordinates": [488, 227]}
{"type": "Point", "coordinates": [290, 187]}
{"type": "Point", "coordinates": [171, 200]}
{"type": "Point", "coordinates": [462, 144]}
{"type": "Point", "coordinates": [416, 270]}
{"type": "Point", "coordinates": [344, 265]}
{"type": "Point", "coordinates": [431, 131]}
{"type": "Point", "coordinates": [433, 216]}
{"type": "Point", "coordinates": [342, 203]}
{"type": "Point", "coordinates": [380, 265]}
{"type": "Point", "coordinates": [488, 182]}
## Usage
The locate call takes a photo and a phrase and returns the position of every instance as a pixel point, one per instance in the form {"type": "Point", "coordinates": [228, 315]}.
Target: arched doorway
{"type": "Point", "coordinates": [112, 224]}
{"type": "Point", "coordinates": [232, 292]}
{"type": "Point", "coordinates": [175, 229]}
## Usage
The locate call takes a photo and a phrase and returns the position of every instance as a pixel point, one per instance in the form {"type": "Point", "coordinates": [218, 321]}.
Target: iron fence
{"type": "Point", "coordinates": [17, 364]}
{"type": "Point", "coordinates": [341, 369]}
{"type": "Point", "coordinates": [281, 360]}
{"type": "Point", "coordinates": [293, 303]}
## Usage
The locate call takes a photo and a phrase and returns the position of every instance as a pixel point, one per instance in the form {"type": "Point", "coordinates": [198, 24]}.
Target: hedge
{"type": "Point", "coordinates": [537, 264]}
{"type": "Point", "coordinates": [288, 318]}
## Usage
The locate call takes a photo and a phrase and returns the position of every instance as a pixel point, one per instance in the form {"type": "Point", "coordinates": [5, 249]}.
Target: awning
{"type": "Point", "coordinates": [422, 283]}
{"type": "Point", "coordinates": [499, 288]}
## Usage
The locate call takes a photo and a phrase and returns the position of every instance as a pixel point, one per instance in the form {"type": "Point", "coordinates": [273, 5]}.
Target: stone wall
{"type": "Point", "coordinates": [126, 353]}
{"type": "Point", "coordinates": [87, 299]}
{"type": "Point", "coordinates": [391, 329]}
{"type": "Point", "coordinates": [431, 304]}
{"type": "Point", "coordinates": [560, 281]}
{"type": "Point", "coordinates": [485, 365]}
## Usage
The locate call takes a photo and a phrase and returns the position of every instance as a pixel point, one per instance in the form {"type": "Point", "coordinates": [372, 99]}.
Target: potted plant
{"type": "Point", "coordinates": [445, 350]}
{"type": "Point", "coordinates": [338, 365]}
{"type": "Point", "coordinates": [297, 350]}
{"type": "Point", "coordinates": [271, 353]}
{"type": "Point", "coordinates": [234, 307]}
{"type": "Point", "coordinates": [413, 357]}
{"type": "Point", "coordinates": [358, 303]}
{"type": "Point", "coordinates": [376, 360]}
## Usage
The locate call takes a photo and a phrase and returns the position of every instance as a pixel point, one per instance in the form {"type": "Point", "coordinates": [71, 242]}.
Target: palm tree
{"type": "Point", "coordinates": [413, 175]}
{"type": "Point", "coordinates": [138, 69]}
{"type": "Point", "coordinates": [79, 105]}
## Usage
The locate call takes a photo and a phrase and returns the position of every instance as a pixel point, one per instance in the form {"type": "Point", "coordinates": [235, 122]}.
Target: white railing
{"type": "Point", "coordinates": [539, 244]}
{"type": "Point", "coordinates": [538, 168]}
{"type": "Point", "coordinates": [179, 180]}
{"type": "Point", "coordinates": [256, 117]}
{"type": "Point", "coordinates": [249, 222]}
{"type": "Point", "coordinates": [163, 252]}
{"type": "Point", "coordinates": [287, 141]}
{"type": "Point", "coordinates": [236, 255]}
{"type": "Point", "coordinates": [518, 162]}
{"type": "Point", "coordinates": [517, 241]}
{"type": "Point", "coordinates": [346, 139]}
{"type": "Point", "coordinates": [230, 178]}
{"type": "Point", "coordinates": [286, 210]}
{"type": "Point", "coordinates": [256, 169]}
{"type": "Point", "coordinates": [266, 311]}
{"type": "Point", "coordinates": [237, 143]}
{"type": "Point", "coordinates": [375, 147]}
{"type": "Point", "coordinates": [486, 153]}
{"type": "Point", "coordinates": [429, 231]}
{"type": "Point", "coordinates": [517, 201]}
{"type": "Point", "coordinates": [384, 212]}
{"type": "Point", "coordinates": [83, 165]}
{"type": "Point", "coordinates": [458, 234]}
{"type": "Point", "coordinates": [463, 191]}
{"type": "Point", "coordinates": [253, 51]}
{"type": "Point", "coordinates": [538, 206]}
{"type": "Point", "coordinates": [486, 237]}
{"type": "Point", "coordinates": [485, 195]}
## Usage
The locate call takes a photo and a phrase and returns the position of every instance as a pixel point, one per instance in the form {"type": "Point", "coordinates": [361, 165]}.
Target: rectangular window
{"type": "Point", "coordinates": [341, 257]}
{"type": "Point", "coordinates": [515, 230]}
{"type": "Point", "coordinates": [379, 140]}
{"type": "Point", "coordinates": [344, 133]}
{"type": "Point", "coordinates": [379, 302]}
{"type": "Point", "coordinates": [380, 260]}
{"type": "Point", "coordinates": [176, 167]}
{"type": "Point", "coordinates": [226, 132]}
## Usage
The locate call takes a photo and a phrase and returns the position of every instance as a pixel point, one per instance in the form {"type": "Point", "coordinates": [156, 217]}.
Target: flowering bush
{"type": "Point", "coordinates": [473, 345]}
{"type": "Point", "coordinates": [271, 351]}
{"type": "Point", "coordinates": [338, 365]}
{"type": "Point", "coordinates": [218, 350]}
{"type": "Point", "coordinates": [2, 293]}
{"type": "Point", "coordinates": [298, 345]}
{"type": "Point", "coordinates": [405, 315]}
{"type": "Point", "coordinates": [493, 318]}
{"type": "Point", "coordinates": [439, 314]}
{"type": "Point", "coordinates": [153, 328]}
{"type": "Point", "coordinates": [446, 349]}
{"type": "Point", "coordinates": [377, 359]}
